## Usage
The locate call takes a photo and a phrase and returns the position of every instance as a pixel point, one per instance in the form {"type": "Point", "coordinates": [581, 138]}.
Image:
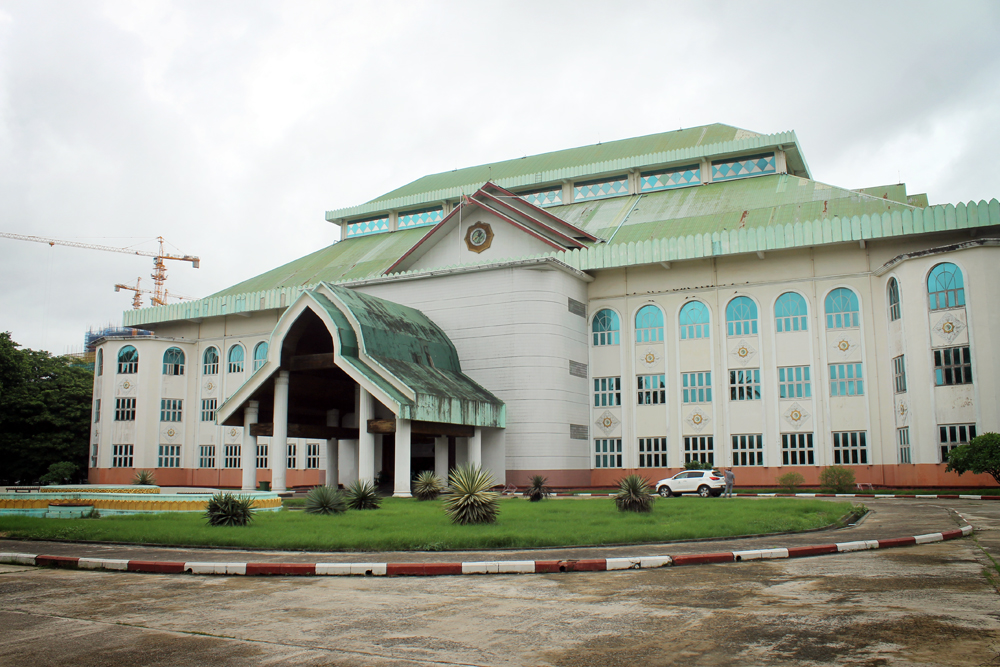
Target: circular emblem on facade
{"type": "Point", "coordinates": [650, 357]}
{"type": "Point", "coordinates": [232, 432]}
{"type": "Point", "coordinates": [948, 327]}
{"type": "Point", "coordinates": [126, 385]}
{"type": "Point", "coordinates": [479, 237]}
{"type": "Point", "coordinates": [742, 351]}
{"type": "Point", "coordinates": [210, 386]}
{"type": "Point", "coordinates": [171, 432]}
{"type": "Point", "coordinates": [902, 409]}
{"type": "Point", "coordinates": [844, 345]}
{"type": "Point", "coordinates": [697, 419]}
{"type": "Point", "coordinates": [795, 415]}
{"type": "Point", "coordinates": [608, 422]}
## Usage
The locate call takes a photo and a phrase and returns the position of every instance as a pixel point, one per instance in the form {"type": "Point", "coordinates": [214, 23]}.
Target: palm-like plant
{"type": "Point", "coordinates": [226, 509]}
{"type": "Point", "coordinates": [471, 500]}
{"type": "Point", "coordinates": [325, 500]}
{"type": "Point", "coordinates": [427, 485]}
{"type": "Point", "coordinates": [537, 490]}
{"type": "Point", "coordinates": [634, 495]}
{"type": "Point", "coordinates": [144, 478]}
{"type": "Point", "coordinates": [362, 495]}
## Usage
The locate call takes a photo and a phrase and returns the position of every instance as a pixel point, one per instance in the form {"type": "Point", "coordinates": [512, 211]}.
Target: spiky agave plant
{"type": "Point", "coordinates": [471, 500]}
{"type": "Point", "coordinates": [537, 489]}
{"type": "Point", "coordinates": [325, 500]}
{"type": "Point", "coordinates": [362, 495]}
{"type": "Point", "coordinates": [427, 485]}
{"type": "Point", "coordinates": [144, 478]}
{"type": "Point", "coordinates": [633, 495]}
{"type": "Point", "coordinates": [226, 509]}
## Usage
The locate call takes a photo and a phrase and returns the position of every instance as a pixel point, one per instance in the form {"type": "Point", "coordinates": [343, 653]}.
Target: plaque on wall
{"type": "Point", "coordinates": [479, 237]}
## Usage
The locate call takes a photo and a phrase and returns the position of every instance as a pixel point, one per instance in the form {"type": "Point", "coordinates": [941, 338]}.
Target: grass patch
{"type": "Point", "coordinates": [405, 524]}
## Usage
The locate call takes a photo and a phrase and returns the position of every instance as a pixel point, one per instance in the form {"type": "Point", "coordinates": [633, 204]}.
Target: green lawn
{"type": "Point", "coordinates": [407, 524]}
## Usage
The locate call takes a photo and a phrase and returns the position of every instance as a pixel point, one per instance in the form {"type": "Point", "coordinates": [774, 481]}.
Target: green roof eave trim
{"type": "Point", "coordinates": [582, 171]}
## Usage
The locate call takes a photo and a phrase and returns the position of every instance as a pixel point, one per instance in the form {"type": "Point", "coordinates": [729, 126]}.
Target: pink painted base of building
{"type": "Point", "coordinates": [206, 478]}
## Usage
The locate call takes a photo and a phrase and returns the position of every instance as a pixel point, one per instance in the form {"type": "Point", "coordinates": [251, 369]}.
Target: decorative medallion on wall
{"type": "Point", "coordinates": [743, 353]}
{"type": "Point", "coordinates": [845, 347]}
{"type": "Point", "coordinates": [97, 433]}
{"type": "Point", "coordinates": [796, 416]}
{"type": "Point", "coordinates": [651, 358]}
{"type": "Point", "coordinates": [607, 422]}
{"type": "Point", "coordinates": [170, 434]}
{"type": "Point", "coordinates": [902, 412]}
{"type": "Point", "coordinates": [210, 388]}
{"type": "Point", "coordinates": [479, 237]}
{"type": "Point", "coordinates": [234, 434]}
{"type": "Point", "coordinates": [126, 388]}
{"type": "Point", "coordinates": [948, 327]}
{"type": "Point", "coordinates": [698, 419]}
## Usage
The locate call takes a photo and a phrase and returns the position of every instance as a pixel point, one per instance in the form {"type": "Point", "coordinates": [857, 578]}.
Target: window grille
{"type": "Point", "coordinates": [259, 355]}
{"type": "Point", "coordinates": [579, 432]}
{"type": "Point", "coordinates": [649, 325]}
{"type": "Point", "coordinates": [744, 385]}
{"type": "Point", "coordinates": [211, 363]}
{"type": "Point", "coordinates": [169, 456]}
{"type": "Point", "coordinates": [903, 440]}
{"type": "Point", "coordinates": [608, 453]}
{"type": "Point", "coordinates": [262, 457]}
{"type": "Point", "coordinates": [312, 455]}
{"type": "Point", "coordinates": [607, 392]}
{"type": "Point", "coordinates": [291, 455]}
{"type": "Point", "coordinates": [951, 436]}
{"type": "Point", "coordinates": [232, 459]}
{"type": "Point", "coordinates": [173, 362]}
{"type": "Point", "coordinates": [694, 320]}
{"type": "Point", "coordinates": [93, 455]}
{"type": "Point", "coordinates": [952, 365]}
{"type": "Point", "coordinates": [748, 450]}
{"type": "Point", "coordinates": [793, 382]}
{"type": "Point", "coordinates": [128, 360]}
{"type": "Point", "coordinates": [842, 309]}
{"type": "Point", "coordinates": [652, 389]}
{"type": "Point", "coordinates": [850, 448]}
{"type": "Point", "coordinates": [945, 287]}
{"type": "Point", "coordinates": [899, 374]}
{"type": "Point", "coordinates": [846, 380]}
{"type": "Point", "coordinates": [893, 300]}
{"type": "Point", "coordinates": [97, 410]}
{"type": "Point", "coordinates": [797, 449]}
{"type": "Point", "coordinates": [208, 408]}
{"type": "Point", "coordinates": [699, 448]}
{"type": "Point", "coordinates": [653, 452]}
{"type": "Point", "coordinates": [605, 328]}
{"type": "Point", "coordinates": [236, 358]}
{"type": "Point", "coordinates": [121, 456]}
{"type": "Point", "coordinates": [100, 363]}
{"type": "Point", "coordinates": [697, 387]}
{"type": "Point", "coordinates": [124, 409]}
{"type": "Point", "coordinates": [170, 409]}
{"type": "Point", "coordinates": [206, 456]}
{"type": "Point", "coordinates": [790, 313]}
{"type": "Point", "coordinates": [741, 317]}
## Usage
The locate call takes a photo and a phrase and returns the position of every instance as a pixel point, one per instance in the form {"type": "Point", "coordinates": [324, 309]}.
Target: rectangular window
{"type": "Point", "coordinates": [170, 409]}
{"type": "Point", "coordinates": [262, 457]}
{"type": "Point", "coordinates": [169, 457]}
{"type": "Point", "coordinates": [607, 392]}
{"type": "Point", "coordinates": [93, 455]}
{"type": "Point", "coordinates": [97, 411]}
{"type": "Point", "coordinates": [748, 450]}
{"type": "Point", "coordinates": [797, 449]}
{"type": "Point", "coordinates": [208, 408]}
{"type": "Point", "coordinates": [699, 448]}
{"type": "Point", "coordinates": [121, 456]}
{"type": "Point", "coordinates": [903, 440]}
{"type": "Point", "coordinates": [793, 382]}
{"type": "Point", "coordinates": [850, 448]}
{"type": "Point", "coordinates": [652, 389]}
{"type": "Point", "coordinates": [312, 455]}
{"type": "Point", "coordinates": [291, 455]}
{"type": "Point", "coordinates": [608, 453]}
{"type": "Point", "coordinates": [211, 365]}
{"type": "Point", "coordinates": [697, 387]}
{"type": "Point", "coordinates": [899, 374]}
{"type": "Point", "coordinates": [124, 409]}
{"type": "Point", "coordinates": [744, 385]}
{"type": "Point", "coordinates": [846, 380]}
{"type": "Point", "coordinates": [952, 365]}
{"type": "Point", "coordinates": [232, 459]}
{"type": "Point", "coordinates": [953, 435]}
{"type": "Point", "coordinates": [653, 452]}
{"type": "Point", "coordinates": [206, 457]}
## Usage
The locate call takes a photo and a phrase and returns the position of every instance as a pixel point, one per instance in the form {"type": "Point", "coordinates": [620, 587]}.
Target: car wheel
{"type": "Point", "coordinates": [664, 491]}
{"type": "Point", "coordinates": [704, 491]}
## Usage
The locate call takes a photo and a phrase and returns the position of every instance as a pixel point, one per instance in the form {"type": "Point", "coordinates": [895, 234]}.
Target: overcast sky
{"type": "Point", "coordinates": [230, 128]}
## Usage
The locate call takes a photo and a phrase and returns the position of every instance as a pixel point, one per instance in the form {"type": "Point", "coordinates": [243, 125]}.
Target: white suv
{"type": "Point", "coordinates": [703, 482]}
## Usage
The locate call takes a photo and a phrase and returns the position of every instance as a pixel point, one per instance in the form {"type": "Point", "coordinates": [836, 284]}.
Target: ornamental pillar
{"type": "Point", "coordinates": [248, 450]}
{"type": "Point", "coordinates": [279, 441]}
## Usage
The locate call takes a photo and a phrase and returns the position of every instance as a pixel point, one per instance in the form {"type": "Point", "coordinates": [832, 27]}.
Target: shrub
{"type": "Point", "coordinates": [144, 478]}
{"type": "Point", "coordinates": [790, 481]}
{"type": "Point", "coordinates": [59, 473]}
{"type": "Point", "coordinates": [537, 490]}
{"type": "Point", "coordinates": [633, 495]}
{"type": "Point", "coordinates": [836, 479]}
{"type": "Point", "coordinates": [427, 485]}
{"type": "Point", "coordinates": [471, 500]}
{"type": "Point", "coordinates": [697, 465]}
{"type": "Point", "coordinates": [225, 509]}
{"type": "Point", "coordinates": [325, 500]}
{"type": "Point", "coordinates": [980, 455]}
{"type": "Point", "coordinates": [92, 514]}
{"type": "Point", "coordinates": [362, 495]}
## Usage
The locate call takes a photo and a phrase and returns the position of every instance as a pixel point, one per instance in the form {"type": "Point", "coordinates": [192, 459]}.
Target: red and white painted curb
{"type": "Point", "coordinates": [485, 567]}
{"type": "Point", "coordinates": [877, 496]}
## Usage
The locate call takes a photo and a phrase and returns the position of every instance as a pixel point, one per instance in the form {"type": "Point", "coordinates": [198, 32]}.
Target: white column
{"type": "Point", "coordinates": [441, 458]}
{"type": "Point", "coordinates": [401, 486]}
{"type": "Point", "coordinates": [332, 451]}
{"type": "Point", "coordinates": [279, 440]}
{"type": "Point", "coordinates": [475, 444]}
{"type": "Point", "coordinates": [366, 440]}
{"type": "Point", "coordinates": [248, 450]}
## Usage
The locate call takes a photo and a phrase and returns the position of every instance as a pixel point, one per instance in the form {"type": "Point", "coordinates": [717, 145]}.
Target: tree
{"type": "Point", "coordinates": [982, 454]}
{"type": "Point", "coordinates": [45, 412]}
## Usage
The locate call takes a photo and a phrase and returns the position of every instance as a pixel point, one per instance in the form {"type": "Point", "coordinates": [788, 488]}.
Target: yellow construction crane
{"type": "Point", "coordinates": [159, 274]}
{"type": "Point", "coordinates": [139, 291]}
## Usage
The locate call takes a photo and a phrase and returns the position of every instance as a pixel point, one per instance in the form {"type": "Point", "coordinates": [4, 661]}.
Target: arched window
{"type": "Point", "coordinates": [790, 313]}
{"type": "Point", "coordinates": [893, 300]}
{"type": "Point", "coordinates": [606, 328]}
{"type": "Point", "coordinates": [649, 325]}
{"type": "Point", "coordinates": [842, 309]}
{"type": "Point", "coordinates": [741, 316]}
{"type": "Point", "coordinates": [128, 360]}
{"type": "Point", "coordinates": [236, 357]}
{"type": "Point", "coordinates": [100, 362]}
{"type": "Point", "coordinates": [259, 355]}
{"type": "Point", "coordinates": [173, 361]}
{"type": "Point", "coordinates": [211, 362]}
{"type": "Point", "coordinates": [946, 287]}
{"type": "Point", "coordinates": [694, 320]}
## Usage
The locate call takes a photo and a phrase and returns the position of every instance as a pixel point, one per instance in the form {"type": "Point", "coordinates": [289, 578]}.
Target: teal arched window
{"type": "Point", "coordinates": [173, 361]}
{"type": "Point", "coordinates": [606, 328]}
{"type": "Point", "coordinates": [649, 325]}
{"type": "Point", "coordinates": [790, 313]}
{"type": "Point", "coordinates": [128, 360]}
{"type": "Point", "coordinates": [211, 362]}
{"type": "Point", "coordinates": [946, 287]}
{"type": "Point", "coordinates": [236, 358]}
{"type": "Point", "coordinates": [694, 320]}
{"type": "Point", "coordinates": [842, 309]}
{"type": "Point", "coordinates": [259, 355]}
{"type": "Point", "coordinates": [100, 362]}
{"type": "Point", "coordinates": [741, 317]}
{"type": "Point", "coordinates": [893, 300]}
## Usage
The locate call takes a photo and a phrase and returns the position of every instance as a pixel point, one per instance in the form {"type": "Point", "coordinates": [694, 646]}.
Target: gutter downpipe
{"type": "Point", "coordinates": [634, 204]}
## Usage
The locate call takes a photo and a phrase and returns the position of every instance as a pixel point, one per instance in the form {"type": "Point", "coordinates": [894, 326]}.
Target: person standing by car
{"type": "Point", "coordinates": [730, 480]}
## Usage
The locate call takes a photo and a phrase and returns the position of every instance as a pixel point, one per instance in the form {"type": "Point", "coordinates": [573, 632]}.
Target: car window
{"type": "Point", "coordinates": [697, 473]}
{"type": "Point", "coordinates": [681, 475]}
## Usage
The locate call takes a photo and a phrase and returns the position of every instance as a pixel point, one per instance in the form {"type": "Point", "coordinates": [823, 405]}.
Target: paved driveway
{"type": "Point", "coordinates": [923, 605]}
